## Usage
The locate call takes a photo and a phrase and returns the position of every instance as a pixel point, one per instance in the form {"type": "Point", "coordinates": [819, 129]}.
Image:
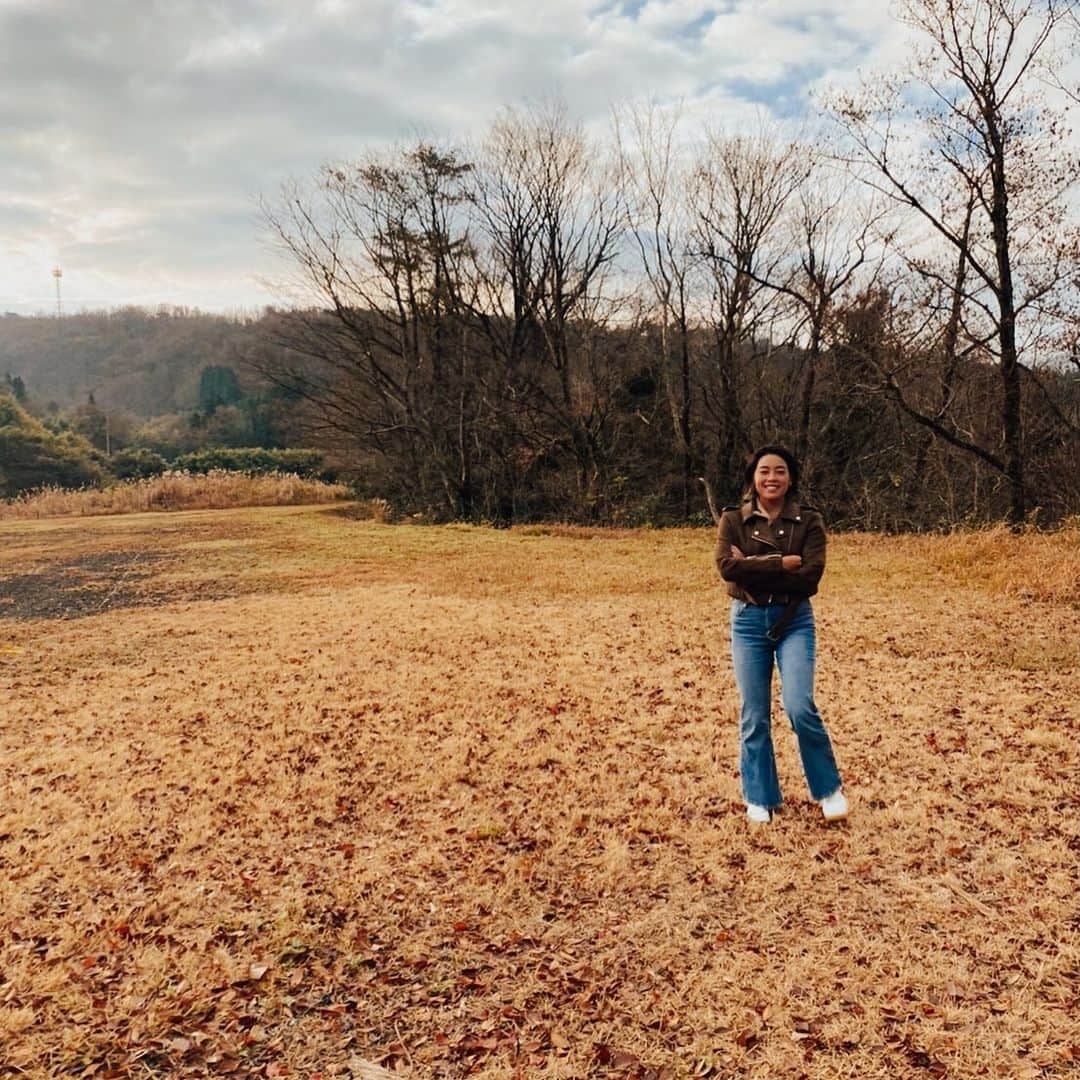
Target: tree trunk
{"type": "Point", "coordinates": [685, 431]}
{"type": "Point", "coordinates": [1011, 417]}
{"type": "Point", "coordinates": [802, 442]}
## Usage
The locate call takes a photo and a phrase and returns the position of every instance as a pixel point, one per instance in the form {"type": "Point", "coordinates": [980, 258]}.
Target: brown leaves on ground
{"type": "Point", "coordinates": [456, 802]}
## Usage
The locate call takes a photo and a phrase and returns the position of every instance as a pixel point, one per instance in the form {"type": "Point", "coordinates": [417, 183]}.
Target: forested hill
{"type": "Point", "coordinates": [145, 362]}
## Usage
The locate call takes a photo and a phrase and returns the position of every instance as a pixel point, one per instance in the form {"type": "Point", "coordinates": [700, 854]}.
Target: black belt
{"type": "Point", "coordinates": [776, 631]}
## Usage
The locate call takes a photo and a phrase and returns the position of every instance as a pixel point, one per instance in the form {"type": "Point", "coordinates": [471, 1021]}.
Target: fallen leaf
{"type": "Point", "coordinates": [368, 1070]}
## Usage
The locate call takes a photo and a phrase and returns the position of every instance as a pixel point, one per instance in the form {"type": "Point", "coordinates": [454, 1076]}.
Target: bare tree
{"type": "Point", "coordinates": [833, 235]}
{"type": "Point", "coordinates": [969, 126]}
{"type": "Point", "coordinates": [511, 247]}
{"type": "Point", "coordinates": [382, 360]}
{"type": "Point", "coordinates": [742, 186]}
{"type": "Point", "coordinates": [660, 222]}
{"type": "Point", "coordinates": [553, 216]}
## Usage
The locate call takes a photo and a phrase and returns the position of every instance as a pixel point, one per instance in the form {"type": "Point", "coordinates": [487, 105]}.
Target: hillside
{"type": "Point", "coordinates": [146, 363]}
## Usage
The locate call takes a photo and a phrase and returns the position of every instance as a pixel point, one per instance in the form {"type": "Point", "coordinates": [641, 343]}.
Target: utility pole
{"type": "Point", "coordinates": [57, 275]}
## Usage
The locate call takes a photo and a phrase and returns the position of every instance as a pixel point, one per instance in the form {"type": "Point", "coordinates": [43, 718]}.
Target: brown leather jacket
{"type": "Point", "coordinates": [760, 577]}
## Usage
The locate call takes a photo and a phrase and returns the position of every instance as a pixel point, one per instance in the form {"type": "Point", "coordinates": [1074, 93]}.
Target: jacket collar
{"type": "Point", "coordinates": [791, 509]}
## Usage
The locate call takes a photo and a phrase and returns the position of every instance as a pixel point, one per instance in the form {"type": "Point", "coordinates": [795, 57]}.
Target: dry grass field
{"type": "Point", "coordinates": [285, 793]}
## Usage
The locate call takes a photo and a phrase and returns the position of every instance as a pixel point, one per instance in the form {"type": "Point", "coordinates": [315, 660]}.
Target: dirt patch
{"type": "Point", "coordinates": [95, 584]}
{"type": "Point", "coordinates": [77, 587]}
{"type": "Point", "coordinates": [116, 563]}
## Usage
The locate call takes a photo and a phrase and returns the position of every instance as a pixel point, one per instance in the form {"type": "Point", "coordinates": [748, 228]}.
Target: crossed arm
{"type": "Point", "coordinates": [773, 572]}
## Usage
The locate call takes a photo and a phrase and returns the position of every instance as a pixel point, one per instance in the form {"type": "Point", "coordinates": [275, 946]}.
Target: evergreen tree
{"type": "Point", "coordinates": [31, 456]}
{"type": "Point", "coordinates": [218, 386]}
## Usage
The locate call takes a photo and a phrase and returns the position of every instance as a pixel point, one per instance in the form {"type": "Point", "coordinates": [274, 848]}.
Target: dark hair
{"type": "Point", "coordinates": [781, 452]}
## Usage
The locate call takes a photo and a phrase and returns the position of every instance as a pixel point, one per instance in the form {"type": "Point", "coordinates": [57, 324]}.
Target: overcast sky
{"type": "Point", "coordinates": [139, 134]}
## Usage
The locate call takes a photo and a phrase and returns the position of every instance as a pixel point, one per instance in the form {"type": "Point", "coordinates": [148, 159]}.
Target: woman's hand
{"type": "Point", "coordinates": [792, 562]}
{"type": "Point", "coordinates": [736, 553]}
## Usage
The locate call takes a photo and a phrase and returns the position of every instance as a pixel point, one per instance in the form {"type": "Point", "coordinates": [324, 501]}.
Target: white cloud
{"type": "Point", "coordinates": [137, 136]}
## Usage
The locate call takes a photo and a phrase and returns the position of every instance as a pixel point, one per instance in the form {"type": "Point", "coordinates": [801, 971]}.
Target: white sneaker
{"type": "Point", "coordinates": [835, 806]}
{"type": "Point", "coordinates": [758, 814]}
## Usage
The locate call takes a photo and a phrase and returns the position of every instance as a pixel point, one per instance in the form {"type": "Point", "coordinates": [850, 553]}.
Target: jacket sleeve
{"type": "Point", "coordinates": [806, 578]}
{"type": "Point", "coordinates": [744, 571]}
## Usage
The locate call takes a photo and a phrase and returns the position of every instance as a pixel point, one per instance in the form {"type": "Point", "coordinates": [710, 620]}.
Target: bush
{"type": "Point", "coordinates": [167, 435]}
{"type": "Point", "coordinates": [254, 460]}
{"type": "Point", "coordinates": [136, 464]}
{"type": "Point", "coordinates": [35, 457]}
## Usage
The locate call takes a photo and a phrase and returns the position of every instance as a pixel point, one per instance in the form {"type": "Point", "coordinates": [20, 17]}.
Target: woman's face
{"type": "Point", "coordinates": [771, 478]}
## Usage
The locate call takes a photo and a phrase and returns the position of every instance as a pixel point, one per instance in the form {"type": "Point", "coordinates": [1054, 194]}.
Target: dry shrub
{"type": "Point", "coordinates": [377, 510]}
{"type": "Point", "coordinates": [218, 489]}
{"type": "Point", "coordinates": [381, 511]}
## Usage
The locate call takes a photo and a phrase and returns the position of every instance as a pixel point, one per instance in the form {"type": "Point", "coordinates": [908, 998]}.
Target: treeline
{"type": "Point", "coordinates": [870, 464]}
{"type": "Point", "coordinates": [546, 324]}
{"type": "Point", "coordinates": [551, 325]}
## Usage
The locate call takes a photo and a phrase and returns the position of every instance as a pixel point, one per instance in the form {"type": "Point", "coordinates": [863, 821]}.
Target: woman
{"type": "Point", "coordinates": [771, 553]}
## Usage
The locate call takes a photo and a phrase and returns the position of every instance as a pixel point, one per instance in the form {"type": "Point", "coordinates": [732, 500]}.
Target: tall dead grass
{"type": "Point", "coordinates": [1030, 565]}
{"type": "Point", "coordinates": [219, 489]}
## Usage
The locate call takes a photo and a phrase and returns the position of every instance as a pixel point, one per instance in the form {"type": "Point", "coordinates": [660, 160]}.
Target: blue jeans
{"type": "Point", "coordinates": [752, 654]}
